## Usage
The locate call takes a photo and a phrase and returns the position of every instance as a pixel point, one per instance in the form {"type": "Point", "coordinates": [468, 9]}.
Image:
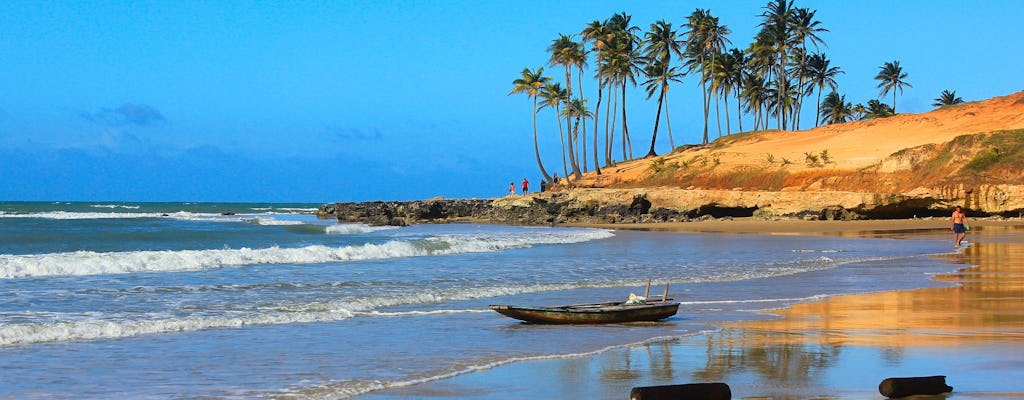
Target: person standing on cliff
{"type": "Point", "coordinates": [959, 226]}
{"type": "Point", "coordinates": [526, 186]}
{"type": "Point", "coordinates": [511, 188]}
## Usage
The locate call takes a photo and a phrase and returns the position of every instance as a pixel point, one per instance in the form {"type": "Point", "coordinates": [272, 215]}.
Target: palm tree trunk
{"type": "Point", "coordinates": [657, 120]}
{"type": "Point", "coordinates": [728, 126]}
{"type": "Point", "coordinates": [668, 124]}
{"type": "Point", "coordinates": [561, 137]}
{"type": "Point", "coordinates": [583, 148]}
{"type": "Point", "coordinates": [536, 148]}
{"type": "Point", "coordinates": [817, 111]}
{"type": "Point", "coordinates": [597, 117]}
{"type": "Point", "coordinates": [704, 92]}
{"type": "Point", "coordinates": [739, 110]}
{"type": "Point", "coordinates": [626, 141]}
{"type": "Point", "coordinates": [615, 119]}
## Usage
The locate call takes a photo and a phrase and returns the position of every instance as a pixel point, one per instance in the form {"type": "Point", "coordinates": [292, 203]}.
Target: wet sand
{"type": "Point", "coordinates": [838, 348]}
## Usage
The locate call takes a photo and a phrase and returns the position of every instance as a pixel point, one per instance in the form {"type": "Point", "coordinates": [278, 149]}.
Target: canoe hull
{"type": "Point", "coordinates": [606, 313]}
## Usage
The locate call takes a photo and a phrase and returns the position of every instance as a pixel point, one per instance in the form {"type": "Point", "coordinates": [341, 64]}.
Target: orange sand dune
{"type": "Point", "coordinates": [850, 146]}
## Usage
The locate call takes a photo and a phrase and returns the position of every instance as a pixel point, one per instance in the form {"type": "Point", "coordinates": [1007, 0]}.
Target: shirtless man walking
{"type": "Point", "coordinates": [959, 226]}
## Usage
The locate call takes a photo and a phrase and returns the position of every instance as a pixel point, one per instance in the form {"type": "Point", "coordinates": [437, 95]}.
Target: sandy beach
{"type": "Point", "coordinates": [971, 330]}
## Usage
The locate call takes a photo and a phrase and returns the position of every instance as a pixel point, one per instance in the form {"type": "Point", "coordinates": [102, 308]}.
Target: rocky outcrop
{"type": "Point", "coordinates": [656, 205]}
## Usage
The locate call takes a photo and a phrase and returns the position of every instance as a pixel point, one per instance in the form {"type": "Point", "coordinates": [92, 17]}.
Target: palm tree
{"type": "Point", "coordinates": [737, 73]}
{"type": "Point", "coordinates": [835, 109]}
{"type": "Point", "coordinates": [660, 43]}
{"type": "Point", "coordinates": [822, 76]}
{"type": "Point", "coordinates": [877, 109]}
{"type": "Point", "coordinates": [623, 66]}
{"type": "Point", "coordinates": [805, 29]}
{"type": "Point", "coordinates": [531, 83]}
{"type": "Point", "coordinates": [755, 94]}
{"type": "Point", "coordinates": [566, 52]}
{"type": "Point", "coordinates": [947, 98]}
{"type": "Point", "coordinates": [705, 39]}
{"type": "Point", "coordinates": [598, 33]}
{"type": "Point", "coordinates": [658, 80]}
{"type": "Point", "coordinates": [891, 76]}
{"type": "Point", "coordinates": [576, 109]}
{"type": "Point", "coordinates": [554, 96]}
{"type": "Point", "coordinates": [777, 32]}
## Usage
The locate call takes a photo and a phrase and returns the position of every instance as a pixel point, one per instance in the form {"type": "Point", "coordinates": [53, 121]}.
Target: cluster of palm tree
{"type": "Point", "coordinates": [768, 81]}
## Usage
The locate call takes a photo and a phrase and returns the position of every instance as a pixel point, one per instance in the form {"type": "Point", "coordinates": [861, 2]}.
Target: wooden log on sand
{"type": "Point", "coordinates": [690, 391]}
{"type": "Point", "coordinates": [902, 387]}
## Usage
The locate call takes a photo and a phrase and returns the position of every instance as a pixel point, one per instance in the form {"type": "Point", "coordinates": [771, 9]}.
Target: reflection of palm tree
{"type": "Point", "coordinates": [947, 98]}
{"type": "Point", "coordinates": [531, 83]}
{"type": "Point", "coordinates": [891, 76]}
{"type": "Point", "coordinates": [554, 96]}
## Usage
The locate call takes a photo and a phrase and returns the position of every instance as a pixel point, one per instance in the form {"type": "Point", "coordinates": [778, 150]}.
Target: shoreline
{"type": "Point", "coordinates": [929, 330]}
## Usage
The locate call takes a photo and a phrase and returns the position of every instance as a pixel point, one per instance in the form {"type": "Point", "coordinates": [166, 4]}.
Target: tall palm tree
{"type": "Point", "coordinates": [597, 32]}
{"type": "Point", "coordinates": [554, 96]}
{"type": "Point", "coordinates": [737, 74]}
{"type": "Point", "coordinates": [566, 52]}
{"type": "Point", "coordinates": [835, 109]}
{"type": "Point", "coordinates": [660, 43]}
{"type": "Point", "coordinates": [658, 80]}
{"type": "Point", "coordinates": [705, 39]}
{"type": "Point", "coordinates": [777, 32]}
{"type": "Point", "coordinates": [531, 83]}
{"type": "Point", "coordinates": [822, 76]}
{"type": "Point", "coordinates": [947, 98]}
{"type": "Point", "coordinates": [891, 76]}
{"type": "Point", "coordinates": [624, 66]}
{"type": "Point", "coordinates": [755, 94]}
{"type": "Point", "coordinates": [805, 29]}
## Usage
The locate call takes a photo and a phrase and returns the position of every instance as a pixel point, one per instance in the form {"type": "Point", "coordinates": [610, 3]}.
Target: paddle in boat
{"type": "Point", "coordinates": [635, 309]}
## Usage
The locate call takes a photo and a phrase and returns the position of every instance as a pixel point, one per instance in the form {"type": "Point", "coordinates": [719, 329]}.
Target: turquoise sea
{"type": "Point", "coordinates": [183, 300]}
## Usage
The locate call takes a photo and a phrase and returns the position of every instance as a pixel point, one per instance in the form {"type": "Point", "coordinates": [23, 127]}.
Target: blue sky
{"type": "Point", "coordinates": [353, 100]}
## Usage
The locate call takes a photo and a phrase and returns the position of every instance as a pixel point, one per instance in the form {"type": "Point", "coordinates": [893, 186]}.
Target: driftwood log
{"type": "Point", "coordinates": [902, 387]}
{"type": "Point", "coordinates": [690, 391]}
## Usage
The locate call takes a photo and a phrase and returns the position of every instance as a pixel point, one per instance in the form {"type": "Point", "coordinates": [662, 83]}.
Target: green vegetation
{"type": "Point", "coordinates": [1003, 148]}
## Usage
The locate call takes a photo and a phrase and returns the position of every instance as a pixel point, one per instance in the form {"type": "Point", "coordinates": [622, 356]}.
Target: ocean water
{"type": "Point", "coordinates": [158, 300]}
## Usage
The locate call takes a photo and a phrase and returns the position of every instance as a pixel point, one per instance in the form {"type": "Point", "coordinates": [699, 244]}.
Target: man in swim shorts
{"type": "Point", "coordinates": [959, 226]}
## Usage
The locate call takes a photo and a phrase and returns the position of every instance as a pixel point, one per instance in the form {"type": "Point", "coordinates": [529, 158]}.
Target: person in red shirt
{"type": "Point", "coordinates": [526, 186]}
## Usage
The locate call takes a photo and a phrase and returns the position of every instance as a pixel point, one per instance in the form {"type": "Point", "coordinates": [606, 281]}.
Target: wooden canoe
{"type": "Point", "coordinates": [600, 313]}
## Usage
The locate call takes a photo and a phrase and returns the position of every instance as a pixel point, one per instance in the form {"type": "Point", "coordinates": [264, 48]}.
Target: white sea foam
{"type": "Point", "coordinates": [350, 229]}
{"type": "Point", "coordinates": [92, 263]}
{"type": "Point", "coordinates": [89, 329]}
{"type": "Point", "coordinates": [270, 221]}
{"type": "Point", "coordinates": [127, 207]}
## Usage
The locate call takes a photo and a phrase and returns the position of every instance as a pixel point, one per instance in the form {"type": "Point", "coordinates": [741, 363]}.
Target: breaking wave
{"type": "Point", "coordinates": [93, 263]}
